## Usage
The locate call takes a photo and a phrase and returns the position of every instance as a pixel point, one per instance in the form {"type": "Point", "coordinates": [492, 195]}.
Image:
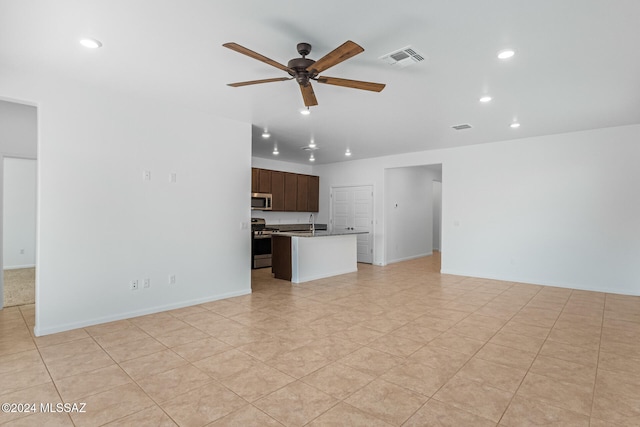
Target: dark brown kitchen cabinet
{"type": "Point", "coordinates": [313, 193]}
{"type": "Point", "coordinates": [260, 180]}
{"type": "Point", "coordinates": [255, 178]}
{"type": "Point", "coordinates": [302, 201]}
{"type": "Point", "coordinates": [290, 192]}
{"type": "Point", "coordinates": [277, 190]}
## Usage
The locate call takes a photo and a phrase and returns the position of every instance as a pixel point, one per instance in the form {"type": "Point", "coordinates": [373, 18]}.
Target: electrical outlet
{"type": "Point", "coordinates": [146, 283]}
{"type": "Point", "coordinates": [172, 279]}
{"type": "Point", "coordinates": [134, 284]}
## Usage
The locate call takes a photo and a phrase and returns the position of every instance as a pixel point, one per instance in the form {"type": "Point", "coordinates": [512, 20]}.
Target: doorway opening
{"type": "Point", "coordinates": [18, 203]}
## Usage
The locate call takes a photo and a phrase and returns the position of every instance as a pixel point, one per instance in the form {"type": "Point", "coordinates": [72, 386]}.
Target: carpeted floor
{"type": "Point", "coordinates": [19, 286]}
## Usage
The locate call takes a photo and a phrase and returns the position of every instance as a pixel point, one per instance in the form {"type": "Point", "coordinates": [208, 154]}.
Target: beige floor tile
{"type": "Point", "coordinates": [201, 349]}
{"type": "Point", "coordinates": [438, 414]}
{"type": "Point", "coordinates": [134, 349]}
{"type": "Point", "coordinates": [517, 341]}
{"type": "Point", "coordinates": [246, 416]}
{"type": "Point", "coordinates": [529, 412]}
{"type": "Point", "coordinates": [618, 409]}
{"type": "Point", "coordinates": [574, 397]}
{"type": "Point", "coordinates": [111, 405]}
{"type": "Point", "coordinates": [64, 350]}
{"type": "Point", "coordinates": [440, 358]}
{"type": "Point", "coordinates": [570, 353]}
{"type": "Point", "coordinates": [478, 398]}
{"type": "Point", "coordinates": [346, 415]}
{"type": "Point", "coordinates": [338, 380]}
{"type": "Point", "coordinates": [459, 343]}
{"type": "Point", "coordinates": [386, 401]}
{"type": "Point", "coordinates": [616, 362]}
{"type": "Point", "coordinates": [181, 336]}
{"type": "Point", "coordinates": [565, 371]}
{"type": "Point", "coordinates": [78, 364]}
{"type": "Point", "coordinates": [224, 364]}
{"type": "Point", "coordinates": [60, 338]}
{"type": "Point", "coordinates": [20, 361]}
{"type": "Point", "coordinates": [418, 377]}
{"type": "Point", "coordinates": [576, 337]}
{"type": "Point", "coordinates": [296, 404]}
{"type": "Point", "coordinates": [507, 356]}
{"type": "Point", "coordinates": [493, 374]}
{"type": "Point", "coordinates": [45, 393]}
{"type": "Point", "coordinates": [370, 361]}
{"type": "Point", "coordinates": [25, 378]}
{"type": "Point", "coordinates": [515, 327]}
{"type": "Point", "coordinates": [168, 384]}
{"type": "Point", "coordinates": [395, 345]}
{"type": "Point", "coordinates": [121, 336]}
{"type": "Point", "coordinates": [151, 416]}
{"type": "Point", "coordinates": [202, 405]}
{"type": "Point", "coordinates": [362, 335]}
{"type": "Point", "coordinates": [88, 383]}
{"type": "Point", "coordinates": [152, 364]}
{"type": "Point", "coordinates": [416, 332]}
{"type": "Point", "coordinates": [299, 362]}
{"type": "Point", "coordinates": [256, 381]}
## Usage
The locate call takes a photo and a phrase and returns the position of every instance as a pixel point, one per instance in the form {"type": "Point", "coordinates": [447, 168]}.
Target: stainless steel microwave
{"type": "Point", "coordinates": [261, 201]}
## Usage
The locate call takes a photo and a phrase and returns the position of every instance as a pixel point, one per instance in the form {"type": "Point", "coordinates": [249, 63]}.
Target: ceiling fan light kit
{"type": "Point", "coordinates": [305, 70]}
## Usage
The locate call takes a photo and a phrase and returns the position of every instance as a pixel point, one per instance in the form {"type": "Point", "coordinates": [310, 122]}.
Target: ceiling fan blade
{"type": "Point", "coordinates": [336, 56]}
{"type": "Point", "coordinates": [255, 82]}
{"type": "Point", "coordinates": [356, 84]}
{"type": "Point", "coordinates": [255, 55]}
{"type": "Point", "coordinates": [308, 96]}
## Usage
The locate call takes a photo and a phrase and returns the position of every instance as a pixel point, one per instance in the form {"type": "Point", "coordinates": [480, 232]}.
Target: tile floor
{"type": "Point", "coordinates": [396, 345]}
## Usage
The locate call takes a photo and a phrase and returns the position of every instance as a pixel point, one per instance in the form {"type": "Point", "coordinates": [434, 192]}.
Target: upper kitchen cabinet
{"type": "Point", "coordinates": [302, 201]}
{"type": "Point", "coordinates": [260, 180]}
{"type": "Point", "coordinates": [313, 193]}
{"type": "Point", "coordinates": [277, 190]}
{"type": "Point", "coordinates": [291, 192]}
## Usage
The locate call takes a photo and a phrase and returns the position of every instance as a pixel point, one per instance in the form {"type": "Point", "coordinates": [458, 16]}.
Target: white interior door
{"type": "Point", "coordinates": [352, 208]}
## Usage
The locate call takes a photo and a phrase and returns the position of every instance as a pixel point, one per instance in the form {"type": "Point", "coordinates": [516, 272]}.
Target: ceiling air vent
{"type": "Point", "coordinates": [403, 57]}
{"type": "Point", "coordinates": [462, 126]}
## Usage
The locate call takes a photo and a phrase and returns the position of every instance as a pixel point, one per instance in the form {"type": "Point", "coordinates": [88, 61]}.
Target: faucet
{"type": "Point", "coordinates": [312, 223]}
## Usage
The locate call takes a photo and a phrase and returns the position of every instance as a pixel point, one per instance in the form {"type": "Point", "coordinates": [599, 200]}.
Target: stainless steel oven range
{"type": "Point", "coordinates": [260, 243]}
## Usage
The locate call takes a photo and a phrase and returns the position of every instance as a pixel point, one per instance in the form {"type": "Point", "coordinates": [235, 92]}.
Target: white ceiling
{"type": "Point", "coordinates": [576, 66]}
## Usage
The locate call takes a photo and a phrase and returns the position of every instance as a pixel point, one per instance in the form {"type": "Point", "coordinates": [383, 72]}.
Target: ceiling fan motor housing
{"type": "Point", "coordinates": [299, 66]}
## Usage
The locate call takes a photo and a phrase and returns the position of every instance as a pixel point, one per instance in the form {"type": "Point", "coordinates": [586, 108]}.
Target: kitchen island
{"type": "Point", "coordinates": [304, 256]}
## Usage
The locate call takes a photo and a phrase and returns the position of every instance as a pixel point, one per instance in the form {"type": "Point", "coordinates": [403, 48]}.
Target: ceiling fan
{"type": "Point", "coordinates": [304, 70]}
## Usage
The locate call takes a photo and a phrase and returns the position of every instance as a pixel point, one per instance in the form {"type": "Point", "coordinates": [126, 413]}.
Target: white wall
{"type": "Point", "coordinates": [409, 212]}
{"type": "Point", "coordinates": [19, 213]}
{"type": "Point", "coordinates": [18, 129]}
{"type": "Point", "coordinates": [559, 210]}
{"type": "Point", "coordinates": [100, 225]}
{"type": "Point", "coordinates": [281, 217]}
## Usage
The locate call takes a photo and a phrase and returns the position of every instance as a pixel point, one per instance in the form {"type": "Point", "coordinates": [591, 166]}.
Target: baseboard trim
{"type": "Point", "coordinates": [530, 281]}
{"type": "Point", "coordinates": [136, 313]}
{"type": "Point", "coordinates": [393, 261]}
{"type": "Point", "coordinates": [18, 267]}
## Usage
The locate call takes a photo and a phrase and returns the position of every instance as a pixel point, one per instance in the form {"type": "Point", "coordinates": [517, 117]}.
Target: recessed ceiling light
{"type": "Point", "coordinates": [485, 99]}
{"type": "Point", "coordinates": [266, 134]}
{"type": "Point", "coordinates": [312, 144]}
{"type": "Point", "coordinates": [305, 112]}
{"type": "Point", "coordinates": [90, 43]}
{"type": "Point", "coordinates": [275, 151]}
{"type": "Point", "coordinates": [514, 125]}
{"type": "Point", "coordinates": [312, 159]}
{"type": "Point", "coordinates": [506, 54]}
{"type": "Point", "coordinates": [347, 153]}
